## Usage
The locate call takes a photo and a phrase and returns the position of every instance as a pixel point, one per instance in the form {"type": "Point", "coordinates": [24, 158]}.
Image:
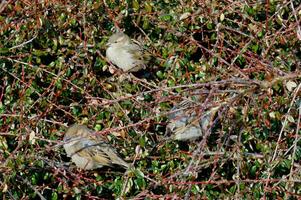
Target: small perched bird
{"type": "Point", "coordinates": [186, 124]}
{"type": "Point", "coordinates": [89, 151]}
{"type": "Point", "coordinates": [124, 53]}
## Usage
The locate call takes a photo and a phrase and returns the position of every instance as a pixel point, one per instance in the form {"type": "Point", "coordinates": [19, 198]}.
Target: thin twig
{"type": "Point", "coordinates": [297, 21]}
{"type": "Point", "coordinates": [297, 139]}
{"type": "Point", "coordinates": [32, 187]}
{"type": "Point", "coordinates": [281, 133]}
{"type": "Point", "coordinates": [24, 43]}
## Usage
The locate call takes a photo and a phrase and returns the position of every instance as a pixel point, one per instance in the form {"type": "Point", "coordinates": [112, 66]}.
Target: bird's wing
{"type": "Point", "coordinates": [137, 52]}
{"type": "Point", "coordinates": [115, 158]}
{"type": "Point", "coordinates": [93, 150]}
{"type": "Point", "coordinates": [101, 153]}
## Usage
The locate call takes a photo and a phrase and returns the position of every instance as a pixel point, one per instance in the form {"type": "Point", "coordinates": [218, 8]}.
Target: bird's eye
{"type": "Point", "coordinates": [119, 39]}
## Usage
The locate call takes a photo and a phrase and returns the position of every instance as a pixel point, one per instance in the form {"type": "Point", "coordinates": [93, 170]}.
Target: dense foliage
{"type": "Point", "coordinates": [243, 56]}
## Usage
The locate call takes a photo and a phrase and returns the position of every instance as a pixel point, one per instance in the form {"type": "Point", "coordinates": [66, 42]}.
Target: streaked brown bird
{"type": "Point", "coordinates": [186, 124]}
{"type": "Point", "coordinates": [89, 151]}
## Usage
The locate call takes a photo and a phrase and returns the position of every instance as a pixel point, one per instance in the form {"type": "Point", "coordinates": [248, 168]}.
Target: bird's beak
{"type": "Point", "coordinates": [67, 138]}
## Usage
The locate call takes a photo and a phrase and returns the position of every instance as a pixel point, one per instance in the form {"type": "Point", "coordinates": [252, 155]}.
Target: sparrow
{"type": "Point", "coordinates": [89, 151]}
{"type": "Point", "coordinates": [125, 54]}
{"type": "Point", "coordinates": [186, 124]}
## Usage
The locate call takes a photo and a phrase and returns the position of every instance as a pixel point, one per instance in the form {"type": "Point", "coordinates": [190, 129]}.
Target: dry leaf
{"type": "Point", "coordinates": [290, 85]}
{"type": "Point", "coordinates": [32, 137]}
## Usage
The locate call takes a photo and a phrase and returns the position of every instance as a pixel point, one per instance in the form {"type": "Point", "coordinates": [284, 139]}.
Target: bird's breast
{"type": "Point", "coordinates": [121, 58]}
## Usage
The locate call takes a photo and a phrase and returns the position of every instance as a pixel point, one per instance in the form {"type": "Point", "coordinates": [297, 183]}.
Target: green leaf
{"type": "Point", "coordinates": [160, 74]}
{"type": "Point", "coordinates": [54, 196]}
{"type": "Point", "coordinates": [4, 50]}
{"type": "Point", "coordinates": [138, 173]}
{"type": "Point", "coordinates": [148, 7]}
